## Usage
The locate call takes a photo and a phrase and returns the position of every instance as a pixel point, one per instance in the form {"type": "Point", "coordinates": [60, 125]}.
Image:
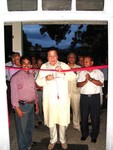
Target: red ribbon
{"type": "Point", "coordinates": [68, 70]}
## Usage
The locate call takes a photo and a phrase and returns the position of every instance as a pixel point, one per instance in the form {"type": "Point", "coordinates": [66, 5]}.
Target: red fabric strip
{"type": "Point", "coordinates": [74, 69]}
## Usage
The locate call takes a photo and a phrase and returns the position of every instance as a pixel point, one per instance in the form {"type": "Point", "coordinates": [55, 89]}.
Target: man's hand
{"type": "Point", "coordinates": [59, 73]}
{"type": "Point", "coordinates": [88, 77]}
{"type": "Point", "coordinates": [50, 77]}
{"type": "Point", "coordinates": [58, 68]}
{"type": "Point", "coordinates": [19, 112]}
{"type": "Point", "coordinates": [37, 109]}
{"type": "Point", "coordinates": [34, 72]}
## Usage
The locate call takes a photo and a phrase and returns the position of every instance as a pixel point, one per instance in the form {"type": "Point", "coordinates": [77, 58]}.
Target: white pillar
{"type": "Point", "coordinates": [4, 130]}
{"type": "Point", "coordinates": [73, 5]}
{"type": "Point", "coordinates": [107, 6]}
{"type": "Point", "coordinates": [39, 5]}
{"type": "Point", "coordinates": [109, 137]}
{"type": "Point", "coordinates": [17, 37]}
{"type": "Point", "coordinates": [3, 7]}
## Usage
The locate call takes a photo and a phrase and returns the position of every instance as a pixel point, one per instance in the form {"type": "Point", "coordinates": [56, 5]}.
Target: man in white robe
{"type": "Point", "coordinates": [56, 102]}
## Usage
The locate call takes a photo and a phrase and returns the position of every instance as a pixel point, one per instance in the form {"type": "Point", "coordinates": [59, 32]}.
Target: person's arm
{"type": "Point", "coordinates": [19, 112]}
{"type": "Point", "coordinates": [14, 96]}
{"type": "Point", "coordinates": [94, 81]}
{"type": "Point", "coordinates": [81, 84]}
{"type": "Point", "coordinates": [36, 108]}
{"type": "Point", "coordinates": [36, 100]}
{"type": "Point", "coordinates": [70, 76]}
{"type": "Point", "coordinates": [40, 88]}
{"type": "Point", "coordinates": [44, 76]}
{"type": "Point", "coordinates": [36, 103]}
{"type": "Point", "coordinates": [49, 77]}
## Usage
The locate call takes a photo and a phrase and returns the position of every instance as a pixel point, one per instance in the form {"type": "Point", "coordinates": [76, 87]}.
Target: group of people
{"type": "Point", "coordinates": [62, 87]}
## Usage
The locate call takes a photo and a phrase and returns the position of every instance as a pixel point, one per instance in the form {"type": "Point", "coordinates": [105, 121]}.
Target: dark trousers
{"type": "Point", "coordinates": [90, 104]}
{"type": "Point", "coordinates": [24, 126]}
{"type": "Point", "coordinates": [105, 92]}
{"type": "Point", "coordinates": [9, 97]}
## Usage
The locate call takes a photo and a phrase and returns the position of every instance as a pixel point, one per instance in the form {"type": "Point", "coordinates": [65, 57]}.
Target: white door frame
{"type": "Point", "coordinates": [105, 16]}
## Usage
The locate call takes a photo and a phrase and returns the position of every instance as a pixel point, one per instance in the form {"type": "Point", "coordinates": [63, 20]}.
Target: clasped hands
{"type": "Point", "coordinates": [88, 77]}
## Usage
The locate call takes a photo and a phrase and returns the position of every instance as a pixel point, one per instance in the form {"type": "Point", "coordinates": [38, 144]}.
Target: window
{"type": "Point", "coordinates": [22, 5]}
{"type": "Point", "coordinates": [57, 5]}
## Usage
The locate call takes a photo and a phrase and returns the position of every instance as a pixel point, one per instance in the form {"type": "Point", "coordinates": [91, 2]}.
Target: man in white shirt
{"type": "Point", "coordinates": [90, 82]}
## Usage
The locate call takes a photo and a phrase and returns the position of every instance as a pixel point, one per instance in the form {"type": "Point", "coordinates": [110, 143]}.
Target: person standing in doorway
{"type": "Point", "coordinates": [74, 92]}
{"type": "Point", "coordinates": [23, 98]}
{"type": "Point", "coordinates": [90, 83]}
{"type": "Point", "coordinates": [56, 102]}
{"type": "Point", "coordinates": [39, 118]}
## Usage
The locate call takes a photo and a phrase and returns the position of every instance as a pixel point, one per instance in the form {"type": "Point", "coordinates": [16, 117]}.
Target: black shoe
{"type": "Point", "coordinates": [34, 143]}
{"type": "Point", "coordinates": [83, 138]}
{"type": "Point", "coordinates": [94, 140]}
{"type": "Point", "coordinates": [40, 123]}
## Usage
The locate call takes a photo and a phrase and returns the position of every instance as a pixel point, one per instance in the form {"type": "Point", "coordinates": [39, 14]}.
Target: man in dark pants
{"type": "Point", "coordinates": [23, 98]}
{"type": "Point", "coordinates": [90, 82]}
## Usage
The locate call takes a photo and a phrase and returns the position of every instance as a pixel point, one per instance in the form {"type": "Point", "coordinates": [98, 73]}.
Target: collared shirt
{"type": "Point", "coordinates": [23, 88]}
{"type": "Point", "coordinates": [7, 70]}
{"type": "Point", "coordinates": [89, 87]}
{"type": "Point", "coordinates": [72, 85]}
{"type": "Point", "coordinates": [12, 71]}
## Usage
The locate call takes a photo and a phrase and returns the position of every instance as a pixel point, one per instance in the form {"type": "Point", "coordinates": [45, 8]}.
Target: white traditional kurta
{"type": "Point", "coordinates": [56, 102]}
